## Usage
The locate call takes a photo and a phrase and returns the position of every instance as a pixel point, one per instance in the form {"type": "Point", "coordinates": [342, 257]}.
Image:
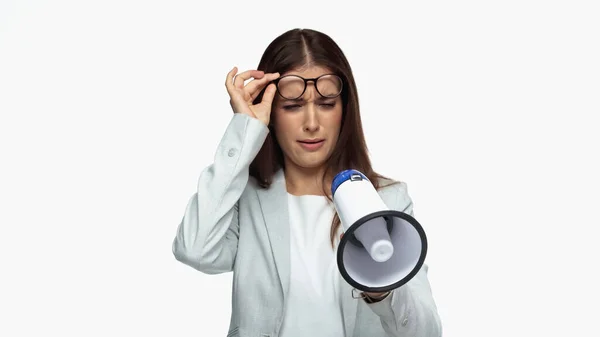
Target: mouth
{"type": "Point", "coordinates": [311, 141]}
{"type": "Point", "coordinates": [311, 145]}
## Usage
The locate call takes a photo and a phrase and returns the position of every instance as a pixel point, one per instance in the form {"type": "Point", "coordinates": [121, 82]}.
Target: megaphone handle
{"type": "Point", "coordinates": [369, 299]}
{"type": "Point", "coordinates": [360, 294]}
{"type": "Point", "coordinates": [390, 224]}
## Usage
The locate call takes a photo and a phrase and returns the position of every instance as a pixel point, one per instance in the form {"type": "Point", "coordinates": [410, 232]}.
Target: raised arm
{"type": "Point", "coordinates": [207, 236]}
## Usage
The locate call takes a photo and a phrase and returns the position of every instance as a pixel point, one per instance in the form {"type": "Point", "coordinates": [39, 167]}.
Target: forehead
{"type": "Point", "coordinates": [312, 71]}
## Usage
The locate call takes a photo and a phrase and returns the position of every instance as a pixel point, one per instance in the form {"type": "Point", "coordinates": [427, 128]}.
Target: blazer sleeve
{"type": "Point", "coordinates": [207, 236]}
{"type": "Point", "coordinates": [409, 310]}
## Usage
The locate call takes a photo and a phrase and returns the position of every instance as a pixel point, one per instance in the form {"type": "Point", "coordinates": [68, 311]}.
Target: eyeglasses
{"type": "Point", "coordinates": [293, 86]}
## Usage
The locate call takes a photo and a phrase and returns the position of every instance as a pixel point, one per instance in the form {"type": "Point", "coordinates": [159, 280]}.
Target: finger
{"type": "Point", "coordinates": [255, 94]}
{"type": "Point", "coordinates": [229, 79]}
{"type": "Point", "coordinates": [254, 87]}
{"type": "Point", "coordinates": [267, 98]}
{"type": "Point", "coordinates": [239, 80]}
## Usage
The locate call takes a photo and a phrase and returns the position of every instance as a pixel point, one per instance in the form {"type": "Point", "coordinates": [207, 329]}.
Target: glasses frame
{"type": "Point", "coordinates": [306, 80]}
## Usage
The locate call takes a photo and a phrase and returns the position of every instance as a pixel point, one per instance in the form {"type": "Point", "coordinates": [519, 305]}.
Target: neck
{"type": "Point", "coordinates": [302, 181]}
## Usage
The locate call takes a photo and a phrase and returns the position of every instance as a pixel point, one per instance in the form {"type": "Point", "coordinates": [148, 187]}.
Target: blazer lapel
{"type": "Point", "coordinates": [273, 202]}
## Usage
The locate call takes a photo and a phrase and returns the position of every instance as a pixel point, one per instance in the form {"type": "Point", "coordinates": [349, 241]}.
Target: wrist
{"type": "Point", "coordinates": [375, 297]}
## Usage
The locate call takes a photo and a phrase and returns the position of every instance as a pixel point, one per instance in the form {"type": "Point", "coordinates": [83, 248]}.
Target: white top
{"type": "Point", "coordinates": [313, 307]}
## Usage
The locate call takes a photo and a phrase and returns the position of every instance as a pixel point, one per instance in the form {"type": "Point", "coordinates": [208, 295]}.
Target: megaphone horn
{"type": "Point", "coordinates": [380, 249]}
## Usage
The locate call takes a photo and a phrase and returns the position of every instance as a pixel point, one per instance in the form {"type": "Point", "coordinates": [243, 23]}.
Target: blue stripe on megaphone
{"type": "Point", "coordinates": [345, 176]}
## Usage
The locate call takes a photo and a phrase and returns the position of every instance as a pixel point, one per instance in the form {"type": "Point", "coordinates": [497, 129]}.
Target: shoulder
{"type": "Point", "coordinates": [395, 194]}
{"type": "Point", "coordinates": [390, 185]}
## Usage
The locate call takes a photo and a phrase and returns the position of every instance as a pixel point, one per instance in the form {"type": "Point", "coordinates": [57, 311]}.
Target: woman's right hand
{"type": "Point", "coordinates": [242, 97]}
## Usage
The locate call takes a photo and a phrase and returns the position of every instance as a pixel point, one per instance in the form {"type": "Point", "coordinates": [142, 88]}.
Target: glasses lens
{"type": "Point", "coordinates": [291, 87]}
{"type": "Point", "coordinates": [329, 85]}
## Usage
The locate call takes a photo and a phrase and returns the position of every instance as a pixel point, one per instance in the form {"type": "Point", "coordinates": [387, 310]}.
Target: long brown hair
{"type": "Point", "coordinates": [292, 50]}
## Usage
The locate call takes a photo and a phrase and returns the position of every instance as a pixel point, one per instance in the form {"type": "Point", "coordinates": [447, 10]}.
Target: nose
{"type": "Point", "coordinates": [311, 121]}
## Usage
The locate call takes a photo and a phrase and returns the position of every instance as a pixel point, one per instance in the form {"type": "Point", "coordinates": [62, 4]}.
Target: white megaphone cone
{"type": "Point", "coordinates": [381, 249]}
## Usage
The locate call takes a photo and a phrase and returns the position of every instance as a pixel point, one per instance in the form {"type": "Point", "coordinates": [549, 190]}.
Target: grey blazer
{"type": "Point", "coordinates": [231, 224]}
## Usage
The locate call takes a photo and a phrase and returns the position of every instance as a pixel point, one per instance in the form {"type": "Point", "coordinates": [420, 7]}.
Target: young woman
{"type": "Point", "coordinates": [263, 208]}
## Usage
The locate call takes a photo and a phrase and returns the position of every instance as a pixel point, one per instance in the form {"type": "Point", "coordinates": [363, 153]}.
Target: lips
{"type": "Point", "coordinates": [311, 141]}
{"type": "Point", "coordinates": [311, 144]}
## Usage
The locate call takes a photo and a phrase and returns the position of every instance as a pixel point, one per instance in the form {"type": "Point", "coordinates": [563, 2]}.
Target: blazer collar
{"type": "Point", "coordinates": [274, 204]}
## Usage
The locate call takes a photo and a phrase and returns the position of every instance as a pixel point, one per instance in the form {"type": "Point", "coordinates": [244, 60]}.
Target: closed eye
{"type": "Point", "coordinates": [291, 107]}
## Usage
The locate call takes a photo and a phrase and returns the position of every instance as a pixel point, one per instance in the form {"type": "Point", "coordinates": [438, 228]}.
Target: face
{"type": "Point", "coordinates": [307, 128]}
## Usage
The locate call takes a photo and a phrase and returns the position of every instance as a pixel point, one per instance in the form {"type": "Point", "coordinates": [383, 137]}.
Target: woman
{"type": "Point", "coordinates": [263, 208]}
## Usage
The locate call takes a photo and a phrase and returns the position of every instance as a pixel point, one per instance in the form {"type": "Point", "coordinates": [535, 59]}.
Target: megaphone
{"type": "Point", "coordinates": [380, 249]}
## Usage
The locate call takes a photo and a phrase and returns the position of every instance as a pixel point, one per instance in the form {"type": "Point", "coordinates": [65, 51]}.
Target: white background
{"type": "Point", "coordinates": [110, 110]}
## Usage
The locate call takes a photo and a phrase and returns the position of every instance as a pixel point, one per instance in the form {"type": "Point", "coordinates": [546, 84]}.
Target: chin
{"type": "Point", "coordinates": [310, 160]}
{"type": "Point", "coordinates": [310, 164]}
